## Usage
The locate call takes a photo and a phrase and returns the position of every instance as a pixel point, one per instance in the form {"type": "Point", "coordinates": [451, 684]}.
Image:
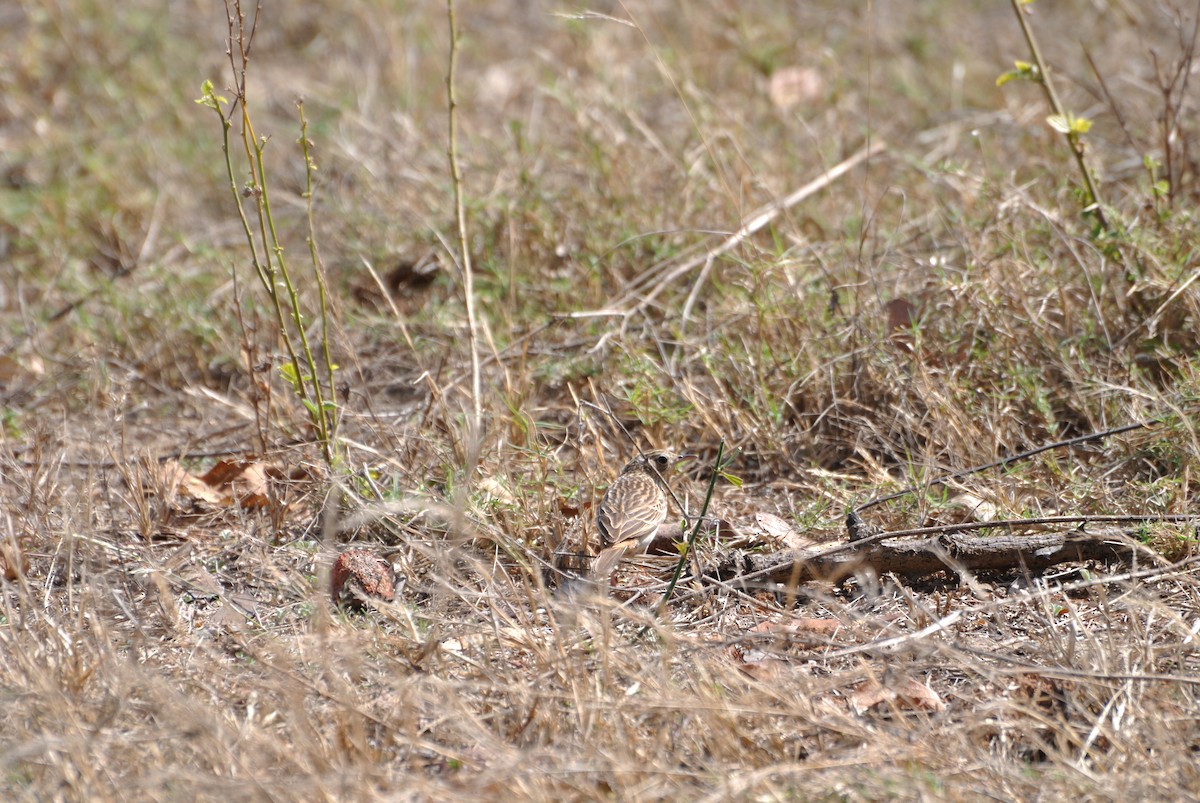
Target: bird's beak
{"type": "Point", "coordinates": [685, 456]}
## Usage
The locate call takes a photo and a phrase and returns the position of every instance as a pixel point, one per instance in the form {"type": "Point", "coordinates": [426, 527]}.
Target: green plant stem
{"type": "Point", "coordinates": [226, 124]}
{"type": "Point", "coordinates": [279, 270]}
{"type": "Point", "coordinates": [271, 265]}
{"type": "Point", "coordinates": [1073, 138]}
{"type": "Point", "coordinates": [691, 541]}
{"type": "Point", "coordinates": [318, 267]}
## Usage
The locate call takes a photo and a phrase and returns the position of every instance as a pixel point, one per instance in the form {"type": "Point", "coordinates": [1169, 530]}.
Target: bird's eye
{"type": "Point", "coordinates": [661, 459]}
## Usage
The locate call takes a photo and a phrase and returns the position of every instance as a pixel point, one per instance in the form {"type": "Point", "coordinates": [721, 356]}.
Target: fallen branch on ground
{"type": "Point", "coordinates": [926, 556]}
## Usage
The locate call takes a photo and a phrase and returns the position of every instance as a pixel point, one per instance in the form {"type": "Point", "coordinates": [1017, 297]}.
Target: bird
{"type": "Point", "coordinates": [633, 508]}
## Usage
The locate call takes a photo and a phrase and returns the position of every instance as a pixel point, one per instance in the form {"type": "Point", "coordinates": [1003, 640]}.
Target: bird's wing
{"type": "Point", "coordinates": [631, 510]}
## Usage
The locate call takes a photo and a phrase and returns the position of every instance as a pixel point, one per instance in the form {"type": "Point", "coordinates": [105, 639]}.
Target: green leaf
{"type": "Point", "coordinates": [732, 479]}
{"type": "Point", "coordinates": [1021, 69]}
{"type": "Point", "coordinates": [208, 98]}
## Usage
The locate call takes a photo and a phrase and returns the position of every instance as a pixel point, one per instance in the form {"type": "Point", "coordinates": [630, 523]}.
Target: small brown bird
{"type": "Point", "coordinates": [633, 508]}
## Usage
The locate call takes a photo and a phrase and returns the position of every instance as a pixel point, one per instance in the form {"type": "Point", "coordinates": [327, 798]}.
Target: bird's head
{"type": "Point", "coordinates": [655, 460]}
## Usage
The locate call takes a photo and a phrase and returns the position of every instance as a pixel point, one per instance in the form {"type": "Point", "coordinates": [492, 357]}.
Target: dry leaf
{"type": "Point", "coordinates": [228, 617]}
{"type": "Point", "coordinates": [796, 628]}
{"type": "Point", "coordinates": [905, 694]}
{"type": "Point", "coordinates": [228, 483]}
{"type": "Point", "coordinates": [756, 663]}
{"type": "Point", "coordinates": [13, 369]}
{"type": "Point", "coordinates": [968, 507]}
{"type": "Point", "coordinates": [772, 525]}
{"type": "Point", "coordinates": [242, 482]}
{"type": "Point", "coordinates": [869, 694]}
{"type": "Point", "coordinates": [808, 624]}
{"type": "Point", "coordinates": [169, 478]}
{"type": "Point", "coordinates": [199, 581]}
{"type": "Point", "coordinates": [496, 491]}
{"type": "Point", "coordinates": [902, 317]}
{"type": "Point", "coordinates": [359, 575]}
{"type": "Point", "coordinates": [766, 627]}
{"type": "Point", "coordinates": [791, 86]}
{"type": "Point", "coordinates": [780, 530]}
{"type": "Point", "coordinates": [14, 563]}
{"type": "Point", "coordinates": [913, 694]}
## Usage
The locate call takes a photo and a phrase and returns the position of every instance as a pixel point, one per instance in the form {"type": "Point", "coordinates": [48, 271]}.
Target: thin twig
{"type": "Point", "coordinates": [461, 219]}
{"type": "Point", "coordinates": [896, 641]}
{"type": "Point", "coordinates": [756, 222]}
{"type": "Point", "coordinates": [1007, 461]}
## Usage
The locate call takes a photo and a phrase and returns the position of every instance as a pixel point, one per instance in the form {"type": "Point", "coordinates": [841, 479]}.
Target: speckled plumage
{"type": "Point", "coordinates": [633, 508]}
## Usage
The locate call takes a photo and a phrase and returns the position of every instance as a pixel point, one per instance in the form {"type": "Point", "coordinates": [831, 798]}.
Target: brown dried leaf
{"type": "Point", "coordinates": [496, 492]}
{"type": "Point", "coordinates": [172, 478]}
{"type": "Point", "coordinates": [782, 531]}
{"type": "Point", "coordinates": [902, 317]}
{"type": "Point", "coordinates": [14, 563]}
{"type": "Point", "coordinates": [773, 525]}
{"type": "Point", "coordinates": [800, 626]}
{"type": "Point", "coordinates": [869, 694]}
{"type": "Point", "coordinates": [913, 694]}
{"type": "Point", "coordinates": [228, 617]}
{"type": "Point", "coordinates": [228, 483]}
{"type": "Point", "coordinates": [358, 575]}
{"type": "Point", "coordinates": [808, 624]}
{"type": "Point", "coordinates": [766, 627]}
{"type": "Point", "coordinates": [968, 507]}
{"type": "Point", "coordinates": [241, 482]}
{"type": "Point", "coordinates": [756, 663]}
{"type": "Point", "coordinates": [905, 694]}
{"type": "Point", "coordinates": [200, 581]}
{"type": "Point", "coordinates": [26, 368]}
{"type": "Point", "coordinates": [791, 86]}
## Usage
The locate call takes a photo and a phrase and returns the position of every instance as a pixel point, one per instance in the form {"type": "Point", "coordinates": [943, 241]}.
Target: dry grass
{"type": "Point", "coordinates": [941, 306]}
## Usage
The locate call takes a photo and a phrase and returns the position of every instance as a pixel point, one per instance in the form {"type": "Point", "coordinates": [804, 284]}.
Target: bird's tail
{"type": "Point", "coordinates": [608, 559]}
